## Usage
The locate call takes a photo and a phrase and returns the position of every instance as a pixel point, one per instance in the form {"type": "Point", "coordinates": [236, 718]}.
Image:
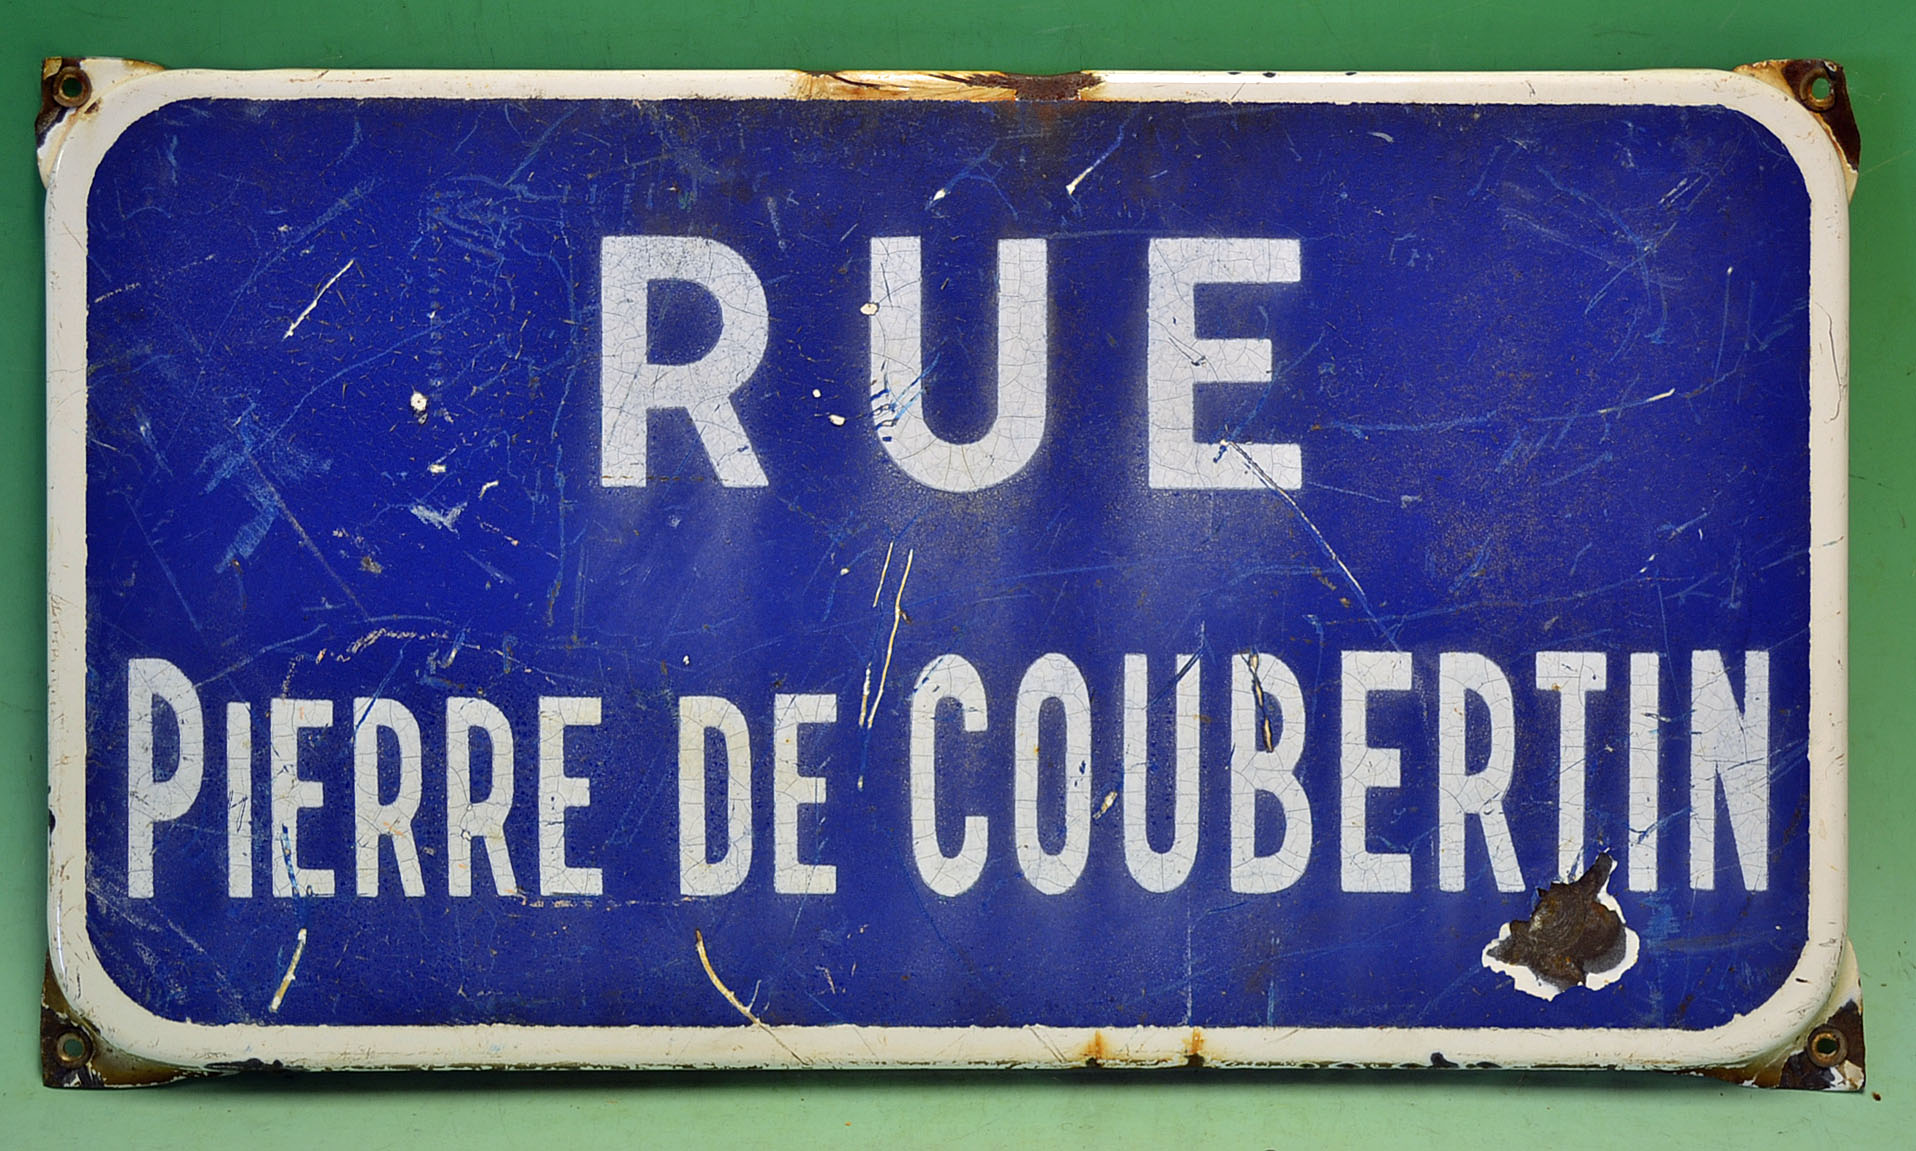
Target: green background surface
{"type": "Point", "coordinates": [1877, 43]}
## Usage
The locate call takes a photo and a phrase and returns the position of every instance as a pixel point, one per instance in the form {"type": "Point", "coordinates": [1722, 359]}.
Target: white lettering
{"type": "Point", "coordinates": [239, 801]}
{"type": "Point", "coordinates": [1462, 793]}
{"type": "Point", "coordinates": [1367, 768]}
{"type": "Point", "coordinates": [699, 714]}
{"type": "Point", "coordinates": [1153, 869]}
{"type": "Point", "coordinates": [373, 820]}
{"type": "Point", "coordinates": [1178, 360]}
{"type": "Point", "coordinates": [633, 386]}
{"type": "Point", "coordinates": [1646, 735]}
{"type": "Point", "coordinates": [898, 371]}
{"type": "Point", "coordinates": [1732, 746]}
{"type": "Point", "coordinates": [1052, 677]}
{"type": "Point", "coordinates": [559, 792]}
{"type": "Point", "coordinates": [1573, 675]}
{"type": "Point", "coordinates": [1265, 695]}
{"type": "Point", "coordinates": [477, 823]}
{"type": "Point", "coordinates": [791, 791]}
{"type": "Point", "coordinates": [291, 795]}
{"type": "Point", "coordinates": [149, 800]}
{"type": "Point", "coordinates": [949, 677]}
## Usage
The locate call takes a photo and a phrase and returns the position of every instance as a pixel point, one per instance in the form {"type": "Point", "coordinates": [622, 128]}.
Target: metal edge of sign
{"type": "Point", "coordinates": [1749, 1048]}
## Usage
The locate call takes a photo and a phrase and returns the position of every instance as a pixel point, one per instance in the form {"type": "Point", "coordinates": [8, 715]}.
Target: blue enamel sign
{"type": "Point", "coordinates": [699, 574]}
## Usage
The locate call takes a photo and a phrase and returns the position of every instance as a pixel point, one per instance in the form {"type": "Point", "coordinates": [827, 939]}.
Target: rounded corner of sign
{"type": "Point", "coordinates": [97, 1002]}
{"type": "Point", "coordinates": [1796, 1006]}
{"type": "Point", "coordinates": [100, 1006]}
{"type": "Point", "coordinates": [1798, 128]}
{"type": "Point", "coordinates": [124, 92]}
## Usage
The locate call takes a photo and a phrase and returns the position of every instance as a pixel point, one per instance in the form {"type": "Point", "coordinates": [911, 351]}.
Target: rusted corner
{"type": "Point", "coordinates": [1828, 1055]}
{"type": "Point", "coordinates": [974, 86]}
{"type": "Point", "coordinates": [1818, 1065]}
{"type": "Point", "coordinates": [72, 1054]}
{"type": "Point", "coordinates": [71, 89]}
{"type": "Point", "coordinates": [1820, 87]}
{"type": "Point", "coordinates": [55, 72]}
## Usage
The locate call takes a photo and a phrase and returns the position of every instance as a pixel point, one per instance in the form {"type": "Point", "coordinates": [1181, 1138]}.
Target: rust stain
{"type": "Point", "coordinates": [965, 86]}
{"type": "Point", "coordinates": [1095, 1052]}
{"type": "Point", "coordinates": [1570, 934]}
{"type": "Point", "coordinates": [1816, 1066]}
{"type": "Point", "coordinates": [1828, 1046]}
{"type": "Point", "coordinates": [1023, 86]}
{"type": "Point", "coordinates": [1817, 1063]}
{"type": "Point", "coordinates": [1194, 1050]}
{"type": "Point", "coordinates": [53, 72]}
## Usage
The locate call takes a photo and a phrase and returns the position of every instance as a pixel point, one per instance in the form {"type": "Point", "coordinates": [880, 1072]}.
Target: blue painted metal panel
{"type": "Point", "coordinates": [1547, 369]}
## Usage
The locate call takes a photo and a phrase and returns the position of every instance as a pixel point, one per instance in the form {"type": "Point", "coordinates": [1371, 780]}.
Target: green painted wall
{"type": "Point", "coordinates": [1876, 39]}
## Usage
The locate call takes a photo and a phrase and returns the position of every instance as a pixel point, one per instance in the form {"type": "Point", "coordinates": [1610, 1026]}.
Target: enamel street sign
{"type": "Point", "coordinates": [770, 569]}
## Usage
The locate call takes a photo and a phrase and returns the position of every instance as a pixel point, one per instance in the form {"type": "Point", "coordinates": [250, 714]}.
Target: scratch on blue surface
{"type": "Point", "coordinates": [1279, 373]}
{"type": "Point", "coordinates": [1365, 431]}
{"type": "Point", "coordinates": [981, 170]}
{"type": "Point", "coordinates": [1596, 461]}
{"type": "Point", "coordinates": [282, 645]}
{"type": "Point", "coordinates": [1363, 599]}
{"type": "Point", "coordinates": [1071, 189]}
{"type": "Point", "coordinates": [1474, 568]}
{"type": "Point", "coordinates": [538, 145]}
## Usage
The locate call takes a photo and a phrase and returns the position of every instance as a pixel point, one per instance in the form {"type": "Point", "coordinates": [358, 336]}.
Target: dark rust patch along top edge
{"type": "Point", "coordinates": [1024, 86]}
{"type": "Point", "coordinates": [981, 86]}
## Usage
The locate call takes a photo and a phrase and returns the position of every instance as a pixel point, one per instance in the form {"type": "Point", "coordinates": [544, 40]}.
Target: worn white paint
{"type": "Point", "coordinates": [239, 802]}
{"type": "Point", "coordinates": [1052, 678]}
{"type": "Point", "coordinates": [291, 795]}
{"type": "Point", "coordinates": [375, 819]}
{"type": "Point", "coordinates": [947, 677]}
{"type": "Point", "coordinates": [1462, 794]}
{"type": "Point", "coordinates": [1267, 744]}
{"type": "Point", "coordinates": [151, 800]}
{"type": "Point", "coordinates": [1574, 675]}
{"type": "Point", "coordinates": [1366, 769]}
{"type": "Point", "coordinates": [792, 791]}
{"type": "Point", "coordinates": [1177, 360]}
{"type": "Point", "coordinates": [1153, 869]}
{"type": "Point", "coordinates": [898, 370]}
{"type": "Point", "coordinates": [559, 792]}
{"type": "Point", "coordinates": [1730, 753]}
{"type": "Point", "coordinates": [482, 822]}
{"type": "Point", "coordinates": [634, 385]}
{"type": "Point", "coordinates": [699, 874]}
{"type": "Point", "coordinates": [1646, 746]}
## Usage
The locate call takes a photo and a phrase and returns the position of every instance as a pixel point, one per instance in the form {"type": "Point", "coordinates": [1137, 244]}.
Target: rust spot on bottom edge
{"type": "Point", "coordinates": [1095, 1052]}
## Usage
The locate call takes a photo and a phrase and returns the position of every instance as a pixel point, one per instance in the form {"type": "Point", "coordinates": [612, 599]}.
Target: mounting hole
{"type": "Point", "coordinates": [1827, 1047]}
{"type": "Point", "coordinates": [72, 1048]}
{"type": "Point", "coordinates": [71, 88]}
{"type": "Point", "coordinates": [1817, 89]}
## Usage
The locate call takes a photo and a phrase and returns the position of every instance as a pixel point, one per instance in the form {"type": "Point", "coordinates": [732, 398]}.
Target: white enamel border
{"type": "Point", "coordinates": [127, 1025]}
